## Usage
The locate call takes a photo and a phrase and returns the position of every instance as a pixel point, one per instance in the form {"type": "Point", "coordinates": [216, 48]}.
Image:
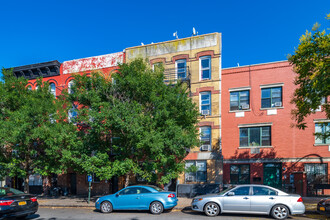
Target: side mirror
{"type": "Point", "coordinates": [230, 194]}
{"type": "Point", "coordinates": [117, 195]}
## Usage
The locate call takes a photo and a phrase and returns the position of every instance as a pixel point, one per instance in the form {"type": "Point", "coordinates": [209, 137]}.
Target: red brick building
{"type": "Point", "coordinates": [259, 141]}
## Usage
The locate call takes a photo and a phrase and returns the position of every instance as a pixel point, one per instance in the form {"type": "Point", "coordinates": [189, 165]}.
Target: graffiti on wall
{"type": "Point", "coordinates": [93, 63]}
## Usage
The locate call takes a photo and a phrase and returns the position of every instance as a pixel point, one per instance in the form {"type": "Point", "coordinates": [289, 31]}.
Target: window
{"type": "Point", "coordinates": [316, 173]}
{"type": "Point", "coordinates": [242, 191]}
{"type": "Point", "coordinates": [52, 88]}
{"type": "Point", "coordinates": [129, 191]}
{"type": "Point", "coordinates": [73, 113]}
{"type": "Point", "coordinates": [181, 69]}
{"type": "Point", "coordinates": [70, 85]}
{"type": "Point", "coordinates": [205, 66]}
{"type": "Point", "coordinates": [263, 191]}
{"type": "Point", "coordinates": [321, 132]}
{"type": "Point", "coordinates": [200, 174]}
{"type": "Point", "coordinates": [29, 88]}
{"type": "Point", "coordinates": [205, 137]}
{"type": "Point", "coordinates": [156, 66]}
{"type": "Point", "coordinates": [239, 100]}
{"type": "Point", "coordinates": [255, 136]}
{"type": "Point", "coordinates": [271, 97]}
{"type": "Point", "coordinates": [205, 103]}
{"type": "Point", "coordinates": [142, 190]}
{"type": "Point", "coordinates": [239, 174]}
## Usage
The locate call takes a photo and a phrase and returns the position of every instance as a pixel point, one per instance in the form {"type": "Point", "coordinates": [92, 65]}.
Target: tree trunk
{"type": "Point", "coordinates": [26, 184]}
{"type": "Point", "coordinates": [127, 180]}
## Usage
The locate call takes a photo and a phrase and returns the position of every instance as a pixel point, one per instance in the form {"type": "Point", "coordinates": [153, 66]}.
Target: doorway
{"type": "Point", "coordinates": [273, 174]}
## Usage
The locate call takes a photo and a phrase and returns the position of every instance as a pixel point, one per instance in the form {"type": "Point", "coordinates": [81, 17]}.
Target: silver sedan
{"type": "Point", "coordinates": [250, 199]}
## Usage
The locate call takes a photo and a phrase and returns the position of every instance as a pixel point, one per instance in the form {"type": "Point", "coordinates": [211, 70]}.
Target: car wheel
{"type": "Point", "coordinates": [156, 208]}
{"type": "Point", "coordinates": [211, 209]}
{"type": "Point", "coordinates": [280, 212]}
{"type": "Point", "coordinates": [106, 207]}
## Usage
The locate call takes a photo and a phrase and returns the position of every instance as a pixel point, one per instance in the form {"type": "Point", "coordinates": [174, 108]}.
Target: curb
{"type": "Point", "coordinates": [86, 206]}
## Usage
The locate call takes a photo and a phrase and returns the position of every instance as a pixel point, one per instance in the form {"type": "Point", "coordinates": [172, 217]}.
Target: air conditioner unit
{"type": "Point", "coordinates": [205, 112]}
{"type": "Point", "coordinates": [205, 147]}
{"type": "Point", "coordinates": [189, 178]}
{"type": "Point", "coordinates": [245, 106]}
{"type": "Point", "coordinates": [278, 104]}
{"type": "Point", "coordinates": [255, 150]}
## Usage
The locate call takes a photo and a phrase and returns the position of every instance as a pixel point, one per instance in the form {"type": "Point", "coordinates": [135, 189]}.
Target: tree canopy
{"type": "Point", "coordinates": [35, 136]}
{"type": "Point", "coordinates": [133, 124]}
{"type": "Point", "coordinates": [311, 61]}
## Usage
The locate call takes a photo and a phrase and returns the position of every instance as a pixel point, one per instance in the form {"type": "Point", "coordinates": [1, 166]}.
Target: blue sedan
{"type": "Point", "coordinates": [138, 198]}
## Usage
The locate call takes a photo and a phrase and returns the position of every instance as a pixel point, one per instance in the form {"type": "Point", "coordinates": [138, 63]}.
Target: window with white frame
{"type": "Point", "coordinates": [205, 104]}
{"type": "Point", "coordinates": [157, 65]}
{"type": "Point", "coordinates": [239, 100]}
{"type": "Point", "coordinates": [255, 136]}
{"type": "Point", "coordinates": [205, 136]}
{"type": "Point", "coordinates": [322, 131]}
{"type": "Point", "coordinates": [205, 67]}
{"type": "Point", "coordinates": [200, 175]}
{"type": "Point", "coordinates": [70, 85]}
{"type": "Point", "coordinates": [271, 97]}
{"type": "Point", "coordinates": [181, 69]}
{"type": "Point", "coordinates": [52, 88]}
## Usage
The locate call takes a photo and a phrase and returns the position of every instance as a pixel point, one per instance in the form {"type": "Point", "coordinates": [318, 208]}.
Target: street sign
{"type": "Point", "coordinates": [89, 178]}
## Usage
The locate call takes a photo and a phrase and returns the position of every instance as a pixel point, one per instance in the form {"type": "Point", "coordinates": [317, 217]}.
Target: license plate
{"type": "Point", "coordinates": [22, 203]}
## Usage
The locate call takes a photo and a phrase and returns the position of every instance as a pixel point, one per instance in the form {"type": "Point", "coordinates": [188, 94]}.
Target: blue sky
{"type": "Point", "coordinates": [253, 31]}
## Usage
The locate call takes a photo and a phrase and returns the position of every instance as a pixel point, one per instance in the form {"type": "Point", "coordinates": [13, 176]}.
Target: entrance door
{"type": "Point", "coordinates": [273, 174]}
{"type": "Point", "coordinates": [73, 183]}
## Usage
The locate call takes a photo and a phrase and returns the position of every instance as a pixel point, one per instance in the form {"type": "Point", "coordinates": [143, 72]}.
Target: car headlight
{"type": "Point", "coordinates": [196, 200]}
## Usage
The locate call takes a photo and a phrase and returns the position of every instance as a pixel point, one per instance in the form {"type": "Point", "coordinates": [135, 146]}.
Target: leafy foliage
{"type": "Point", "coordinates": [35, 136]}
{"type": "Point", "coordinates": [134, 124]}
{"type": "Point", "coordinates": [311, 62]}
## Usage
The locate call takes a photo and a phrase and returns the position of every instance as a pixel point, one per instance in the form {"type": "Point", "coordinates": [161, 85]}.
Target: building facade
{"type": "Point", "coordinates": [197, 61]}
{"type": "Point", "coordinates": [260, 143]}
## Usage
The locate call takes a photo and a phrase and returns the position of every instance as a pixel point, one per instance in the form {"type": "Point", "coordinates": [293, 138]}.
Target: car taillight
{"type": "Point", "coordinates": [33, 199]}
{"type": "Point", "coordinates": [6, 202]}
{"type": "Point", "coordinates": [171, 195]}
{"type": "Point", "coordinates": [299, 200]}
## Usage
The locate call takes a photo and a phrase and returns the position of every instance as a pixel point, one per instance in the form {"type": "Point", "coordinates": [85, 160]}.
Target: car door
{"type": "Point", "coordinates": [126, 199]}
{"type": "Point", "coordinates": [262, 199]}
{"type": "Point", "coordinates": [145, 197]}
{"type": "Point", "coordinates": [239, 201]}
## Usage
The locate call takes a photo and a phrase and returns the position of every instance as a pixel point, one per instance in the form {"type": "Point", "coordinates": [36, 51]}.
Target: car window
{"type": "Point", "coordinates": [263, 191]}
{"type": "Point", "coordinates": [242, 191]}
{"type": "Point", "coordinates": [143, 190]}
{"type": "Point", "coordinates": [129, 191]}
{"type": "Point", "coordinates": [156, 188]}
{"type": "Point", "coordinates": [9, 191]}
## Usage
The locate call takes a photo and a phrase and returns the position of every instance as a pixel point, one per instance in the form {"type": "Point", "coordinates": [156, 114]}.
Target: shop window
{"type": "Point", "coordinates": [322, 131]}
{"type": "Point", "coordinates": [240, 174]}
{"type": "Point", "coordinates": [271, 97]}
{"type": "Point", "coordinates": [316, 173]}
{"type": "Point", "coordinates": [200, 174]}
{"type": "Point", "coordinates": [240, 100]}
{"type": "Point", "coordinates": [255, 136]}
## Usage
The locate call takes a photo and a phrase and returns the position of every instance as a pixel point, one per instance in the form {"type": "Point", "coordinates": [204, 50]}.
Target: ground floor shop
{"type": "Point", "coordinates": [306, 177]}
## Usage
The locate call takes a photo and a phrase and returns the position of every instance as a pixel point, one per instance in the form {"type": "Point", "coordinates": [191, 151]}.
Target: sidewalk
{"type": "Point", "coordinates": [65, 201]}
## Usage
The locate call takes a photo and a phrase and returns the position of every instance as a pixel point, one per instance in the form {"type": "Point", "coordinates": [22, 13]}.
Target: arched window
{"type": "Point", "coordinates": [70, 85]}
{"type": "Point", "coordinates": [73, 113]}
{"type": "Point", "coordinates": [52, 88]}
{"type": "Point", "coordinates": [29, 88]}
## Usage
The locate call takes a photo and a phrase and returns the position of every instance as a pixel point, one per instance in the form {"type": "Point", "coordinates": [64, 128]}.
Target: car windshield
{"type": "Point", "coordinates": [226, 190]}
{"type": "Point", "coordinates": [156, 188]}
{"type": "Point", "coordinates": [4, 191]}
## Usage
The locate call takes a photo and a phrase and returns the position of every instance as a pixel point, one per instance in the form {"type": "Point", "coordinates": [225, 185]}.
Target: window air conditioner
{"type": "Point", "coordinates": [278, 104]}
{"type": "Point", "coordinates": [205, 112]}
{"type": "Point", "coordinates": [245, 106]}
{"type": "Point", "coordinates": [255, 150]}
{"type": "Point", "coordinates": [205, 147]}
{"type": "Point", "coordinates": [189, 178]}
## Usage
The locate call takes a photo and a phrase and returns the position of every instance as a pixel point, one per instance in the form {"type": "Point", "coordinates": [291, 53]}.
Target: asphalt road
{"type": "Point", "coordinates": [91, 213]}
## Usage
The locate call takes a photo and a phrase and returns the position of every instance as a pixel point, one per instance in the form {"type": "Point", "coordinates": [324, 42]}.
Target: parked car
{"type": "Point", "coordinates": [323, 207]}
{"type": "Point", "coordinates": [140, 197]}
{"type": "Point", "coordinates": [14, 203]}
{"type": "Point", "coordinates": [250, 199]}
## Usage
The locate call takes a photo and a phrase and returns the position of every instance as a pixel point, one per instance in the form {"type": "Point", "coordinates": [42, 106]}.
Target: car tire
{"type": "Point", "coordinates": [212, 209]}
{"type": "Point", "coordinates": [106, 207]}
{"type": "Point", "coordinates": [280, 212]}
{"type": "Point", "coordinates": [156, 208]}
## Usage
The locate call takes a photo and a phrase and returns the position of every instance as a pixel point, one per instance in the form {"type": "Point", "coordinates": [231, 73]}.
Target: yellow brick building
{"type": "Point", "coordinates": [196, 60]}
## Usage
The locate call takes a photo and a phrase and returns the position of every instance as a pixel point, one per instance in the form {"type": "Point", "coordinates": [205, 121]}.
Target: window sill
{"type": "Point", "coordinates": [245, 110]}
{"type": "Point", "coordinates": [255, 147]}
{"type": "Point", "coordinates": [325, 145]}
{"type": "Point", "coordinates": [271, 108]}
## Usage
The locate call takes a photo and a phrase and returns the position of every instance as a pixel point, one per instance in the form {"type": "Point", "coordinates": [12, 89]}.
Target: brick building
{"type": "Point", "coordinates": [259, 141]}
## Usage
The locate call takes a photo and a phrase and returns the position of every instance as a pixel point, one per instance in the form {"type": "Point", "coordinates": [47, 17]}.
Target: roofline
{"type": "Point", "coordinates": [258, 64]}
{"type": "Point", "coordinates": [92, 56]}
{"type": "Point", "coordinates": [163, 42]}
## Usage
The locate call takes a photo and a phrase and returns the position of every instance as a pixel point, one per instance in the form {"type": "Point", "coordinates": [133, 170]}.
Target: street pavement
{"type": "Point", "coordinates": [89, 213]}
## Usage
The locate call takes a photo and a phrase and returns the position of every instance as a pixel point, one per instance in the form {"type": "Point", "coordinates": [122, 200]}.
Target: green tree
{"type": "Point", "coordinates": [133, 124]}
{"type": "Point", "coordinates": [311, 62]}
{"type": "Point", "coordinates": [35, 137]}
